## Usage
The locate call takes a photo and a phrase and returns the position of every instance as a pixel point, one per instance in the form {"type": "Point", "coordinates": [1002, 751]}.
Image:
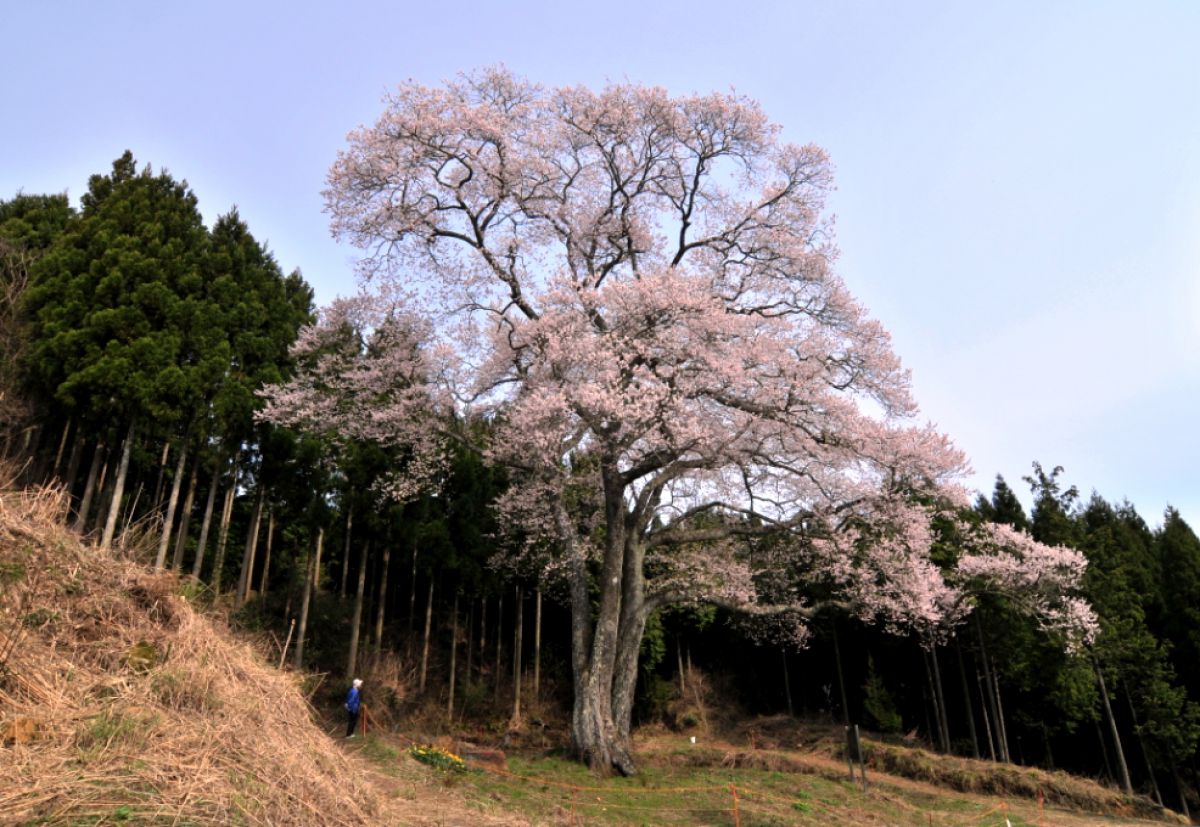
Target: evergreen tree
{"type": "Point", "coordinates": [29, 224]}
{"type": "Point", "coordinates": [1179, 553]}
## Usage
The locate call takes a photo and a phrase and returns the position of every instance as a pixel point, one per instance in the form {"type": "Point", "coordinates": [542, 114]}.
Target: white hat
{"type": "Point", "coordinates": [358, 682]}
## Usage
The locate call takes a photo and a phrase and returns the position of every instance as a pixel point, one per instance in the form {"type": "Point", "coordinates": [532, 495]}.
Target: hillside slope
{"type": "Point", "coordinates": [119, 702]}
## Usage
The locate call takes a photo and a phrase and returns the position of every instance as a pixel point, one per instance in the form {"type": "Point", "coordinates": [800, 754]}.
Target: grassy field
{"type": "Point", "coordinates": [684, 784]}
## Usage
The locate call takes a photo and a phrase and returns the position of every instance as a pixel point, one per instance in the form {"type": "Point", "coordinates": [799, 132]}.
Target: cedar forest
{"type": "Point", "coordinates": [601, 418]}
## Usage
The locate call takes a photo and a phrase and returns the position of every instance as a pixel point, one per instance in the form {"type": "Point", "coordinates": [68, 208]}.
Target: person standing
{"type": "Point", "coordinates": [353, 704]}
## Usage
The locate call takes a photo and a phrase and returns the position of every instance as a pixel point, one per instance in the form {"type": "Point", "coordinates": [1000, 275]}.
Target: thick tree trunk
{"type": "Point", "coordinates": [453, 657]}
{"type": "Point", "coordinates": [246, 578]}
{"type": "Point", "coordinates": [185, 517]}
{"type": "Point", "coordinates": [310, 576]}
{"type": "Point", "coordinates": [114, 508]}
{"type": "Point", "coordinates": [356, 618]}
{"type": "Point", "coordinates": [594, 735]}
{"type": "Point", "coordinates": [428, 629]}
{"type": "Point", "coordinates": [1122, 767]}
{"type": "Point", "coordinates": [89, 488]}
{"type": "Point", "coordinates": [266, 569]}
{"type": "Point", "coordinates": [518, 629]}
{"type": "Point", "coordinates": [164, 539]}
{"type": "Point", "coordinates": [206, 523]}
{"type": "Point", "coordinates": [382, 596]}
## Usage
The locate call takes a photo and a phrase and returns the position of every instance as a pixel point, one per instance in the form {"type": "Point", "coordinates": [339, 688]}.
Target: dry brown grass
{"type": "Point", "coordinates": [124, 703]}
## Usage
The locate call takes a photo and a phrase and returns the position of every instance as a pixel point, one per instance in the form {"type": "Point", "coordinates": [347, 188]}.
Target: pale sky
{"type": "Point", "coordinates": [1018, 183]}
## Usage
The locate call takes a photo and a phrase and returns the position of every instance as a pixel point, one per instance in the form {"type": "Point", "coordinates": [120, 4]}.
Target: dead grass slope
{"type": "Point", "coordinates": [118, 702]}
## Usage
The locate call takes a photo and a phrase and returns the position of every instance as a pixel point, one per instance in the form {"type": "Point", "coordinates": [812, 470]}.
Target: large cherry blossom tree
{"type": "Point", "coordinates": [637, 291]}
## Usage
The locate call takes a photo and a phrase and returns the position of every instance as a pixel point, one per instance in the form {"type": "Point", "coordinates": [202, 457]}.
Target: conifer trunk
{"type": "Point", "coordinates": [679, 658]}
{"type": "Point", "coordinates": [537, 645]}
{"type": "Point", "coordinates": [223, 527]}
{"type": "Point", "coordinates": [993, 687]}
{"type": "Point", "coordinates": [499, 639]}
{"type": "Point", "coordinates": [940, 695]}
{"type": "Point", "coordinates": [1001, 723]}
{"type": "Point", "coordinates": [206, 523]}
{"type": "Point", "coordinates": [1142, 746]}
{"type": "Point", "coordinates": [356, 619]}
{"type": "Point", "coordinates": [837, 656]}
{"type": "Point", "coordinates": [162, 471]}
{"type": "Point", "coordinates": [382, 596]}
{"type": "Point", "coordinates": [518, 630]}
{"type": "Point", "coordinates": [310, 575]}
{"type": "Point", "coordinates": [483, 636]}
{"type": "Point", "coordinates": [185, 516]}
{"type": "Point", "coordinates": [89, 488]}
{"type": "Point", "coordinates": [967, 705]}
{"type": "Point", "coordinates": [412, 592]}
{"type": "Point", "coordinates": [246, 577]}
{"type": "Point", "coordinates": [453, 657]}
{"type": "Point", "coordinates": [266, 570]}
{"type": "Point", "coordinates": [62, 446]}
{"type": "Point", "coordinates": [1122, 767]}
{"type": "Point", "coordinates": [787, 686]}
{"type": "Point", "coordinates": [103, 496]}
{"type": "Point", "coordinates": [470, 642]}
{"type": "Point", "coordinates": [346, 551]}
{"type": "Point", "coordinates": [983, 707]}
{"type": "Point", "coordinates": [938, 734]}
{"type": "Point", "coordinates": [164, 539]}
{"type": "Point", "coordinates": [114, 508]}
{"type": "Point", "coordinates": [72, 473]}
{"type": "Point", "coordinates": [428, 629]}
{"type": "Point", "coordinates": [1183, 805]}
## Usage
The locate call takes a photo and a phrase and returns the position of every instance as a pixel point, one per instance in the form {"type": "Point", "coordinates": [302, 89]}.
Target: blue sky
{"type": "Point", "coordinates": [1018, 183]}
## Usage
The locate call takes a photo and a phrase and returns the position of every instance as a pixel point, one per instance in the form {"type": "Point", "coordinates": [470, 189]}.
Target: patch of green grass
{"type": "Point", "coordinates": [381, 753]}
{"type": "Point", "coordinates": [39, 617]}
{"type": "Point", "coordinates": [110, 729]}
{"type": "Point", "coordinates": [12, 572]}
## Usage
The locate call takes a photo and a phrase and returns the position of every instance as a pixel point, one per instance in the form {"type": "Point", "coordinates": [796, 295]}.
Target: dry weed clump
{"type": "Point", "coordinates": [120, 702]}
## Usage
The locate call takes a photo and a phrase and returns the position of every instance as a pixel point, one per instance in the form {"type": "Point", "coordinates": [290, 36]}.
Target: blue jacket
{"type": "Point", "coordinates": [353, 698]}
